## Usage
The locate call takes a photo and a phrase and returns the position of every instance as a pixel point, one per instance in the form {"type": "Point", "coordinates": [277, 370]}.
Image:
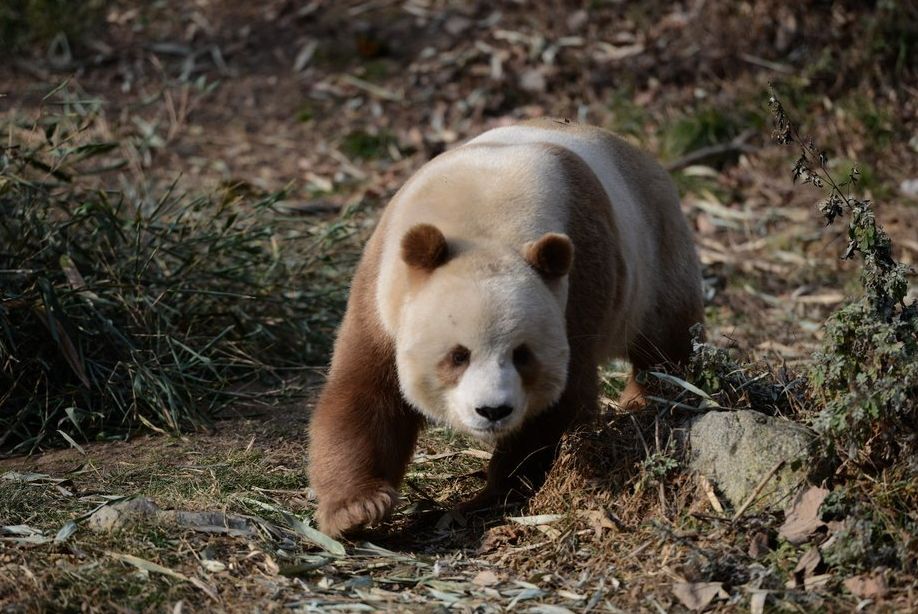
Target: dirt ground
{"type": "Point", "coordinates": [338, 102]}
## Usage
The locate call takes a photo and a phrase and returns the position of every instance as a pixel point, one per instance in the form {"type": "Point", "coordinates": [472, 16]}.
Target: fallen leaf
{"type": "Point", "coordinates": [757, 602]}
{"type": "Point", "coordinates": [809, 562]}
{"type": "Point", "coordinates": [708, 489]}
{"type": "Point", "coordinates": [149, 566]}
{"type": "Point", "coordinates": [271, 567]}
{"type": "Point", "coordinates": [474, 453]}
{"type": "Point", "coordinates": [818, 581]}
{"type": "Point", "coordinates": [213, 566]}
{"type": "Point", "coordinates": [758, 545]}
{"type": "Point", "coordinates": [598, 520]}
{"type": "Point", "coordinates": [29, 477]}
{"type": "Point", "coordinates": [72, 442]}
{"type": "Point", "coordinates": [806, 568]}
{"type": "Point", "coordinates": [23, 534]}
{"type": "Point", "coordinates": [19, 530]}
{"type": "Point", "coordinates": [69, 528]}
{"type": "Point", "coordinates": [544, 608]}
{"type": "Point", "coordinates": [698, 595]}
{"type": "Point", "coordinates": [209, 522]}
{"type": "Point", "coordinates": [530, 521]}
{"type": "Point", "coordinates": [802, 517]}
{"type": "Point", "coordinates": [499, 536]}
{"type": "Point", "coordinates": [485, 578]}
{"type": "Point", "coordinates": [550, 532]}
{"type": "Point", "coordinates": [315, 536]}
{"type": "Point", "coordinates": [867, 586]}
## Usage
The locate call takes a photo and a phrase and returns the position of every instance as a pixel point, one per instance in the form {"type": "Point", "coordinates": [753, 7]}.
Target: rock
{"type": "Point", "coordinates": [737, 449]}
{"type": "Point", "coordinates": [140, 509]}
{"type": "Point", "coordinates": [909, 187]}
{"type": "Point", "coordinates": [577, 20]}
{"type": "Point", "coordinates": [116, 516]}
{"type": "Point", "coordinates": [532, 80]}
{"type": "Point", "coordinates": [456, 25]}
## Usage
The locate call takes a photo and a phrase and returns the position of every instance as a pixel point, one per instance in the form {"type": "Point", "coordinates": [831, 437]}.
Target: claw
{"type": "Point", "coordinates": [358, 511]}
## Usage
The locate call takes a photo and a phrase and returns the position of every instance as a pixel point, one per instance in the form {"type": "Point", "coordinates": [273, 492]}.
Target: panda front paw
{"type": "Point", "coordinates": [344, 515]}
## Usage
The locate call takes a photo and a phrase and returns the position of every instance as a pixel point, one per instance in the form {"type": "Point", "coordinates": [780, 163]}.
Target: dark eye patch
{"type": "Point", "coordinates": [526, 364]}
{"type": "Point", "coordinates": [522, 356]}
{"type": "Point", "coordinates": [459, 356]}
{"type": "Point", "coordinates": [453, 365]}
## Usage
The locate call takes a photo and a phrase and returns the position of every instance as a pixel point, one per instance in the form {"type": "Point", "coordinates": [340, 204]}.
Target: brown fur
{"type": "Point", "coordinates": [550, 255]}
{"type": "Point", "coordinates": [424, 247]}
{"type": "Point", "coordinates": [530, 372]}
{"type": "Point", "coordinates": [666, 338]}
{"type": "Point", "coordinates": [519, 463]}
{"type": "Point", "coordinates": [448, 372]}
{"type": "Point", "coordinates": [363, 432]}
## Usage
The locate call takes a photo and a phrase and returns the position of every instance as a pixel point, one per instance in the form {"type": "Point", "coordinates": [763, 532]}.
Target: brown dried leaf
{"type": "Point", "coordinates": [485, 578]}
{"type": "Point", "coordinates": [708, 489]}
{"type": "Point", "coordinates": [867, 586]}
{"type": "Point", "coordinates": [814, 582]}
{"type": "Point", "coordinates": [698, 595]}
{"type": "Point", "coordinates": [499, 536]}
{"type": "Point", "coordinates": [599, 520]}
{"type": "Point", "coordinates": [808, 562]}
{"type": "Point", "coordinates": [806, 568]}
{"type": "Point", "coordinates": [148, 566]}
{"type": "Point", "coordinates": [758, 545]}
{"type": "Point", "coordinates": [802, 517]}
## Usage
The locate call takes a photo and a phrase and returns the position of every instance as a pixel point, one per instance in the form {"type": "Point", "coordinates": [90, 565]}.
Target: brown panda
{"type": "Point", "coordinates": [498, 278]}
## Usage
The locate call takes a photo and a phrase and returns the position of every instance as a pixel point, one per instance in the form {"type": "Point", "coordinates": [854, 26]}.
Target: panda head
{"type": "Point", "coordinates": [482, 343]}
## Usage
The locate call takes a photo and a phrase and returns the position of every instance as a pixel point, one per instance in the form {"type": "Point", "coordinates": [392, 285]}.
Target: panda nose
{"type": "Point", "coordinates": [494, 413]}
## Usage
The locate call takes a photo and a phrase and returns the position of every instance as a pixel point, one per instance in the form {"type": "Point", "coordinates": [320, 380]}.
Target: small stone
{"type": "Point", "coordinates": [577, 20]}
{"type": "Point", "coordinates": [457, 24]}
{"type": "Point", "coordinates": [116, 516]}
{"type": "Point", "coordinates": [909, 187]}
{"type": "Point", "coordinates": [532, 80]}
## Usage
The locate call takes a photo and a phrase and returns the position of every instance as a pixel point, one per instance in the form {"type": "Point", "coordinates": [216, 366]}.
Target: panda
{"type": "Point", "coordinates": [497, 280]}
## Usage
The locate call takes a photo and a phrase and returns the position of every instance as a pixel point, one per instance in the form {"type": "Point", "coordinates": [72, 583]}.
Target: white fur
{"type": "Point", "coordinates": [489, 197]}
{"type": "Point", "coordinates": [639, 248]}
{"type": "Point", "coordinates": [490, 381]}
{"type": "Point", "coordinates": [492, 316]}
{"type": "Point", "coordinates": [482, 219]}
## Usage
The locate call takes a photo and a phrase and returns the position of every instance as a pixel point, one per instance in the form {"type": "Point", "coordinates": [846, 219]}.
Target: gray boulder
{"type": "Point", "coordinates": [736, 450]}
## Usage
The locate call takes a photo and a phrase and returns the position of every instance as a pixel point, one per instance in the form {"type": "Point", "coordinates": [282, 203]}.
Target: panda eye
{"type": "Point", "coordinates": [522, 356]}
{"type": "Point", "coordinates": [459, 356]}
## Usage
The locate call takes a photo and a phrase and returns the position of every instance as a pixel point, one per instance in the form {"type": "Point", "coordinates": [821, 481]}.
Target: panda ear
{"type": "Point", "coordinates": [424, 247]}
{"type": "Point", "coordinates": [551, 255]}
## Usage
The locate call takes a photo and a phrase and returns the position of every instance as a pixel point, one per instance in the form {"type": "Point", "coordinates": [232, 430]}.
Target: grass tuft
{"type": "Point", "coordinates": [28, 22]}
{"type": "Point", "coordinates": [116, 313]}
